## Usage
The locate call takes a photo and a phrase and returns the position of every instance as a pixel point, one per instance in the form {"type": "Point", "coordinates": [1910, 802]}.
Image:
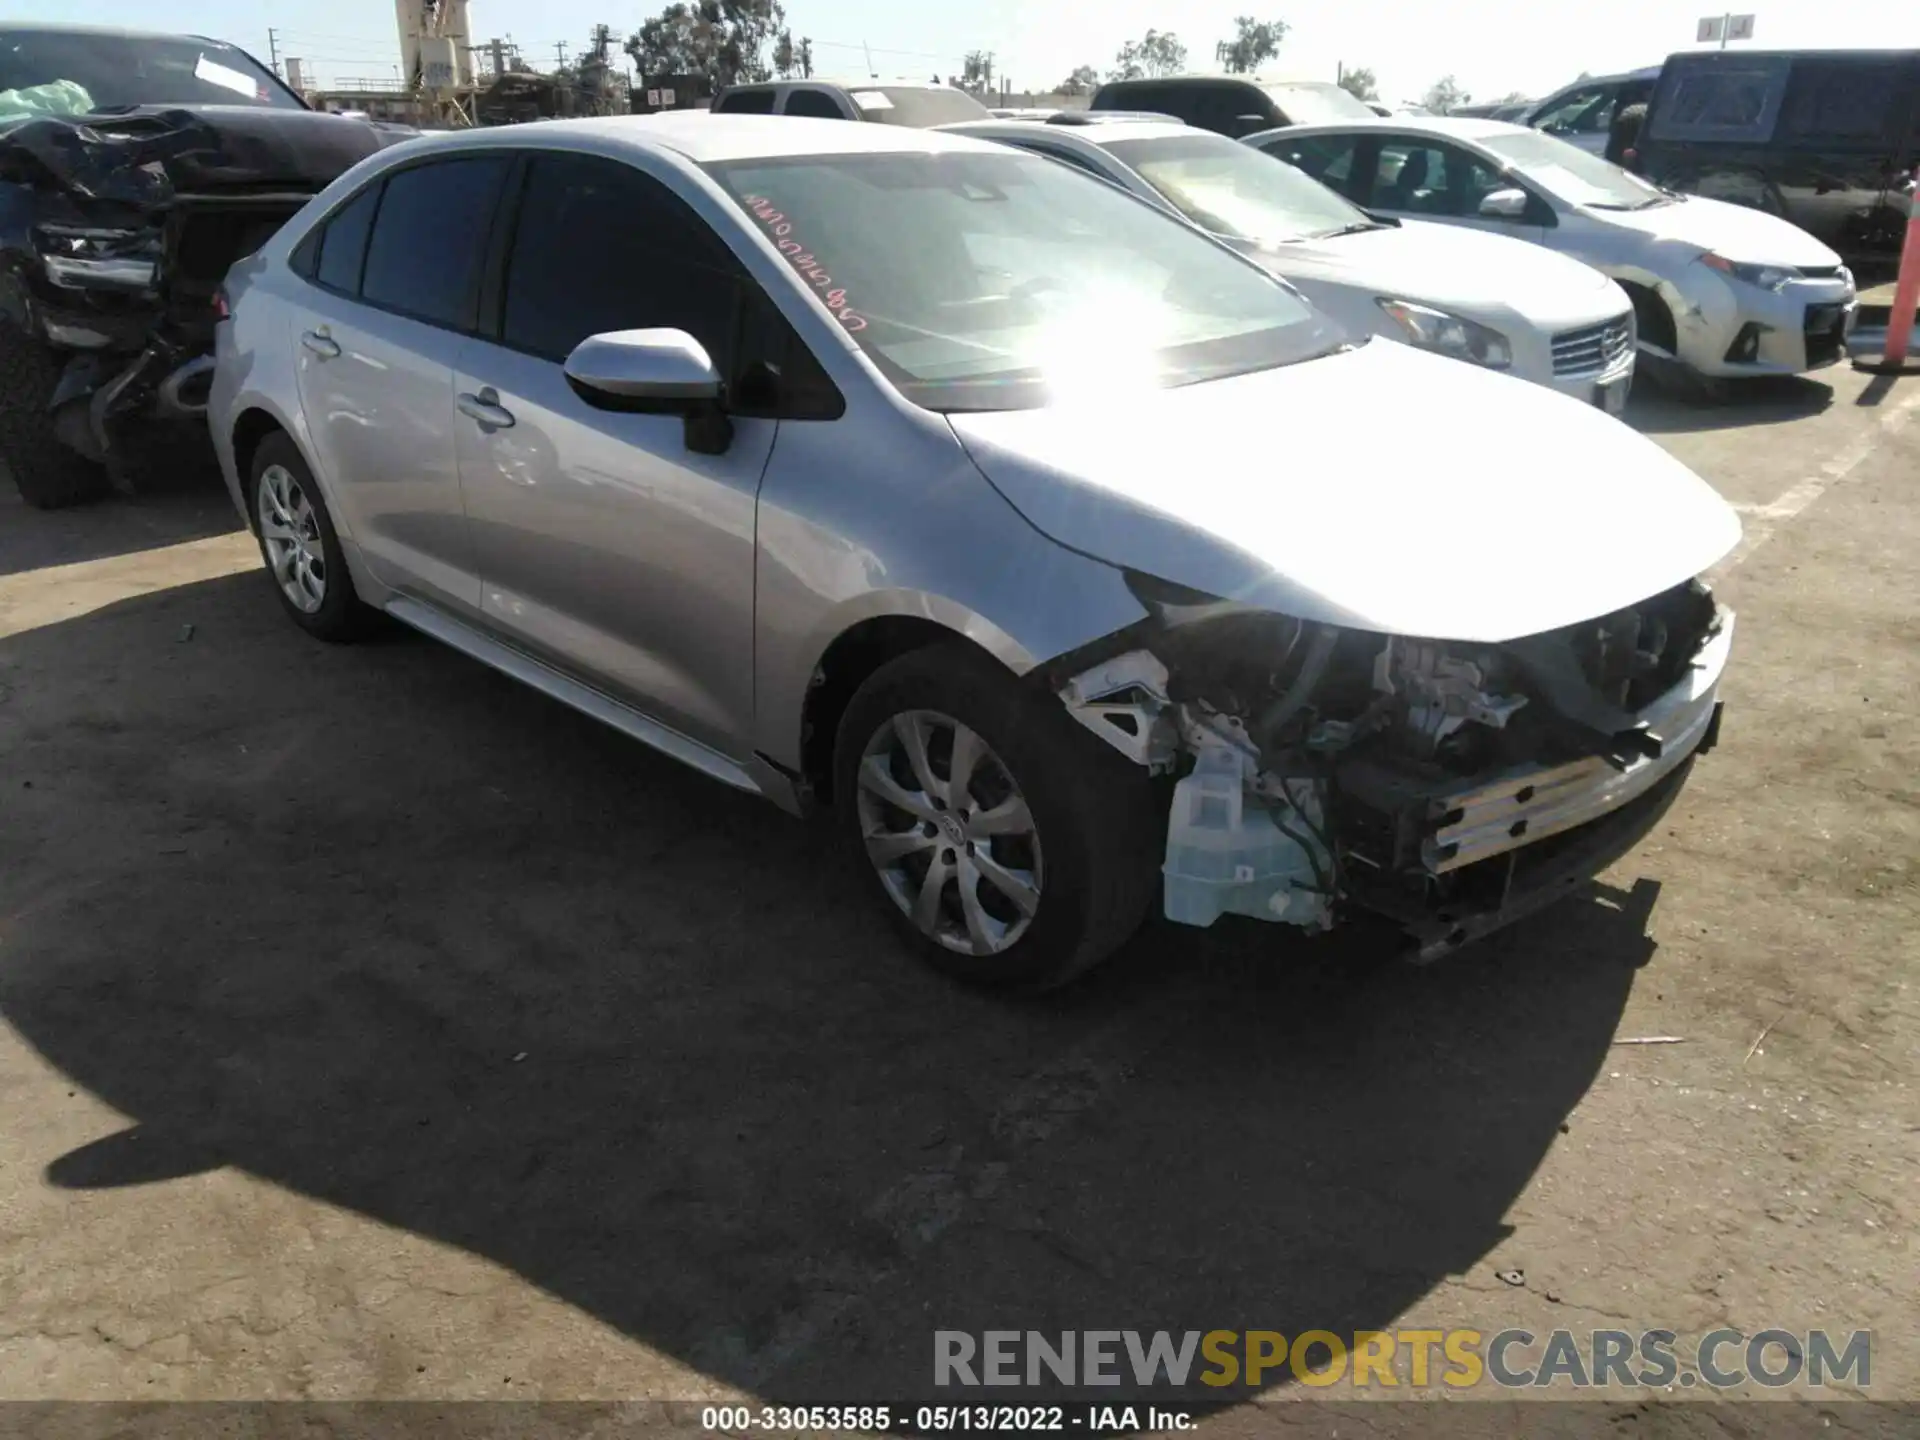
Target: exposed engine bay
{"type": "Point", "coordinates": [116, 230]}
{"type": "Point", "coordinates": [1449, 787]}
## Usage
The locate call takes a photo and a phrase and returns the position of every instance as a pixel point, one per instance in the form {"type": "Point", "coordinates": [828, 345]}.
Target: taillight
{"type": "Point", "coordinates": [221, 309]}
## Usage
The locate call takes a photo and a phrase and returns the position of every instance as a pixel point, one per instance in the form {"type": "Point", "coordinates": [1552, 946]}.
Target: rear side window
{"type": "Point", "coordinates": [424, 257]}
{"type": "Point", "coordinates": [343, 243]}
{"type": "Point", "coordinates": [1846, 99]}
{"type": "Point", "coordinates": [601, 247]}
{"type": "Point", "coordinates": [746, 102]}
{"type": "Point", "coordinates": [816, 103]}
{"type": "Point", "coordinates": [1327, 158]}
{"type": "Point", "coordinates": [1736, 101]}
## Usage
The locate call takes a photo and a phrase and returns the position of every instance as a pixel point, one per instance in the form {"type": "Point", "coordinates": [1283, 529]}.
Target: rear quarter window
{"type": "Point", "coordinates": [1737, 101]}
{"type": "Point", "coordinates": [1847, 99]}
{"type": "Point", "coordinates": [746, 102]}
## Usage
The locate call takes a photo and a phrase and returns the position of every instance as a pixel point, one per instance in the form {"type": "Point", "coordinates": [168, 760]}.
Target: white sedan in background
{"type": "Point", "coordinates": [1722, 290]}
{"type": "Point", "coordinates": [1488, 300]}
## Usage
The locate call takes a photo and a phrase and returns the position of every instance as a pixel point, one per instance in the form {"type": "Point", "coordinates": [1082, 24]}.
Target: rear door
{"type": "Point", "coordinates": [389, 305]}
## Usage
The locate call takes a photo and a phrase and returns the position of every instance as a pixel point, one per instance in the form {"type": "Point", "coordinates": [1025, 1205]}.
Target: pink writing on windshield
{"type": "Point", "coordinates": [780, 230]}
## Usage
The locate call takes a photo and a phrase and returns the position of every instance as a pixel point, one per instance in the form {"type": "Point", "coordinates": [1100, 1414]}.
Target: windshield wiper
{"type": "Point", "coordinates": [1358, 227]}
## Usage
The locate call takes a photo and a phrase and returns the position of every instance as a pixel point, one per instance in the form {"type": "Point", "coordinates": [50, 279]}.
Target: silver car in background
{"type": "Point", "coordinates": [1063, 556]}
{"type": "Point", "coordinates": [1484, 299]}
{"type": "Point", "coordinates": [1721, 291]}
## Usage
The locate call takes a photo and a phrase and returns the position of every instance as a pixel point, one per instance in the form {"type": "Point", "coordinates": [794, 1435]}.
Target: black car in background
{"type": "Point", "coordinates": [135, 168]}
{"type": "Point", "coordinates": [1233, 105]}
{"type": "Point", "coordinates": [1825, 138]}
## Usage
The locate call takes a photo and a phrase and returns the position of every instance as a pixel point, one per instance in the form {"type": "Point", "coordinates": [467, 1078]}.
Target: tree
{"type": "Point", "coordinates": [789, 57]}
{"type": "Point", "coordinates": [1359, 83]}
{"type": "Point", "coordinates": [1155, 54]}
{"type": "Point", "coordinates": [1253, 42]}
{"type": "Point", "coordinates": [1445, 96]}
{"type": "Point", "coordinates": [1080, 82]}
{"type": "Point", "coordinates": [724, 40]}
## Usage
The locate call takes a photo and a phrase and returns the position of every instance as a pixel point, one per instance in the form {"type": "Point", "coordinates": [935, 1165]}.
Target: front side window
{"type": "Point", "coordinates": [1585, 112]}
{"type": "Point", "coordinates": [424, 256]}
{"type": "Point", "coordinates": [79, 72]}
{"type": "Point", "coordinates": [601, 247]}
{"type": "Point", "coordinates": [1237, 191]}
{"type": "Point", "coordinates": [984, 281]}
{"type": "Point", "coordinates": [1326, 158]}
{"type": "Point", "coordinates": [1572, 175]}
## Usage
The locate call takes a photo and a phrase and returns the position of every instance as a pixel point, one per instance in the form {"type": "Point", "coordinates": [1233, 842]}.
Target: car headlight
{"type": "Point", "coordinates": [84, 257]}
{"type": "Point", "coordinates": [1446, 334]}
{"type": "Point", "coordinates": [1765, 277]}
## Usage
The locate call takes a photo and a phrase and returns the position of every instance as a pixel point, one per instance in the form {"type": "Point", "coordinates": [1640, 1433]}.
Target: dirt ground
{"type": "Point", "coordinates": [371, 1027]}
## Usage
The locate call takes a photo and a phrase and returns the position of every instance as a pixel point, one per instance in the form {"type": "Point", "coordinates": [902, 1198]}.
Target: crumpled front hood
{"type": "Point", "coordinates": [1462, 271]}
{"type": "Point", "coordinates": [1380, 488]}
{"type": "Point", "coordinates": [1734, 231]}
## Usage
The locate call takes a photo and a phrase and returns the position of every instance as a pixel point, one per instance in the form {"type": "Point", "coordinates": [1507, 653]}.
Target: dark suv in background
{"type": "Point", "coordinates": [1233, 106]}
{"type": "Point", "coordinates": [893, 102]}
{"type": "Point", "coordinates": [1827, 139]}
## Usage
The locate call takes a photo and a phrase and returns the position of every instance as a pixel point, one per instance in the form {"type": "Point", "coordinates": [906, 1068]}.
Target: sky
{"type": "Point", "coordinates": [1492, 47]}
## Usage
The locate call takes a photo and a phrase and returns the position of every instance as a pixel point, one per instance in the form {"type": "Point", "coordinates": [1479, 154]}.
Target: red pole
{"type": "Point", "coordinates": [1906, 295]}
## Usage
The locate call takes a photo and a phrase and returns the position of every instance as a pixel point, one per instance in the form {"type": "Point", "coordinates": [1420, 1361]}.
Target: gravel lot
{"type": "Point", "coordinates": [370, 1026]}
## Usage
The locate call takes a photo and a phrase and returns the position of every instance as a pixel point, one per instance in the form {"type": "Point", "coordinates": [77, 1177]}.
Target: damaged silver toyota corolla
{"type": "Point", "coordinates": [1067, 558]}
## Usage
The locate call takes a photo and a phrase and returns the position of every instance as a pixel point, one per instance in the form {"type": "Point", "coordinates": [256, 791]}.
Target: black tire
{"type": "Point", "coordinates": [341, 615]}
{"type": "Point", "coordinates": [1683, 382]}
{"type": "Point", "coordinates": [48, 474]}
{"type": "Point", "coordinates": [1100, 828]}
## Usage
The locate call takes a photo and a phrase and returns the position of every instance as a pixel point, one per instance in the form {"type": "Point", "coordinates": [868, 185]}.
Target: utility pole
{"type": "Point", "coordinates": [273, 49]}
{"type": "Point", "coordinates": [560, 49]}
{"type": "Point", "coordinates": [499, 50]}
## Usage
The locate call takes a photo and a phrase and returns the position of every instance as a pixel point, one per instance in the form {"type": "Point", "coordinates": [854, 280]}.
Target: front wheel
{"type": "Point", "coordinates": [1011, 847]}
{"type": "Point", "coordinates": [48, 474]}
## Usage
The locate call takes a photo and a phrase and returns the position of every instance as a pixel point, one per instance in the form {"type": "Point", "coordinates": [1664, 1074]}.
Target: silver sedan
{"type": "Point", "coordinates": [1064, 558]}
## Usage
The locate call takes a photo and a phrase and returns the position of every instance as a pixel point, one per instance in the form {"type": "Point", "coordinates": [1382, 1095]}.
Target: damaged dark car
{"type": "Point", "coordinates": [134, 170]}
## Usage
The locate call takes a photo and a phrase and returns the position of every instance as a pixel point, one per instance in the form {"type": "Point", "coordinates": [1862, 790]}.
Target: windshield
{"type": "Point", "coordinates": [920, 106]}
{"type": "Point", "coordinates": [1311, 104]}
{"type": "Point", "coordinates": [1237, 191]}
{"type": "Point", "coordinates": [1008, 282]}
{"type": "Point", "coordinates": [1572, 174]}
{"type": "Point", "coordinates": [77, 72]}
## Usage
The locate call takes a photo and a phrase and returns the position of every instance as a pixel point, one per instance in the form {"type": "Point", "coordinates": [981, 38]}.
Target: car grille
{"type": "Point", "coordinates": [1826, 332]}
{"type": "Point", "coordinates": [1821, 272]}
{"type": "Point", "coordinates": [1593, 350]}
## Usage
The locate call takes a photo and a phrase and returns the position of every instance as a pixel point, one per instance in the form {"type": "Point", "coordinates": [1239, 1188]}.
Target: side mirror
{"type": "Point", "coordinates": [1507, 204]}
{"type": "Point", "coordinates": [654, 372]}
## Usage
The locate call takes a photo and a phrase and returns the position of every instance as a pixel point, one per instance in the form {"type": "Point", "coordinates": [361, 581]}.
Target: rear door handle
{"type": "Point", "coordinates": [320, 343]}
{"type": "Point", "coordinates": [487, 409]}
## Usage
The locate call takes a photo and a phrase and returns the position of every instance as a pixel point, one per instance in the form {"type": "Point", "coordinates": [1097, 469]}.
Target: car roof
{"type": "Point", "coordinates": [1645, 72]}
{"type": "Point", "coordinates": [105, 32]}
{"type": "Point", "coordinates": [831, 83]}
{"type": "Point", "coordinates": [704, 138]}
{"type": "Point", "coordinates": [1257, 81]}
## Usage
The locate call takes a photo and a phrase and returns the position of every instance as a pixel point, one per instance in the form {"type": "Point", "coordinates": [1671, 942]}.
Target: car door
{"type": "Point", "coordinates": [1416, 177]}
{"type": "Point", "coordinates": [392, 285]}
{"type": "Point", "coordinates": [606, 546]}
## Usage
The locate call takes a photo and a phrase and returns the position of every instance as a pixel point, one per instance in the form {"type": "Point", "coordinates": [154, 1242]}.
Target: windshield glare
{"type": "Point", "coordinates": [983, 281]}
{"type": "Point", "coordinates": [1572, 174]}
{"type": "Point", "coordinates": [1318, 104]}
{"type": "Point", "coordinates": [54, 72]}
{"type": "Point", "coordinates": [1234, 190]}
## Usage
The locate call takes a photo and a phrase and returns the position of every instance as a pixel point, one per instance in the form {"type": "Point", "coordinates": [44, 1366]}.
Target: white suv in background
{"type": "Point", "coordinates": [1484, 299]}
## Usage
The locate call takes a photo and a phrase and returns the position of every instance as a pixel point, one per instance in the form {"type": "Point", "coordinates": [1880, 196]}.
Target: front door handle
{"type": "Point", "coordinates": [487, 409]}
{"type": "Point", "coordinates": [321, 344]}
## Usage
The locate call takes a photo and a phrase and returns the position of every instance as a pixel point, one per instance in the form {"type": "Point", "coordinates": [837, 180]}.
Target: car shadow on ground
{"type": "Point", "coordinates": [1659, 409]}
{"type": "Point", "coordinates": [385, 929]}
{"type": "Point", "coordinates": [34, 539]}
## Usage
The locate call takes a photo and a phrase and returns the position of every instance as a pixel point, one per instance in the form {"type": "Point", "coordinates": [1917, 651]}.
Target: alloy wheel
{"type": "Point", "coordinates": [290, 530]}
{"type": "Point", "coordinates": [949, 832]}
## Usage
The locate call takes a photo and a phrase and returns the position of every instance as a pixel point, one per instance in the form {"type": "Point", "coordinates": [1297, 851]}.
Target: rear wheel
{"type": "Point", "coordinates": [48, 474]}
{"type": "Point", "coordinates": [300, 546]}
{"type": "Point", "coordinates": [1011, 848]}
